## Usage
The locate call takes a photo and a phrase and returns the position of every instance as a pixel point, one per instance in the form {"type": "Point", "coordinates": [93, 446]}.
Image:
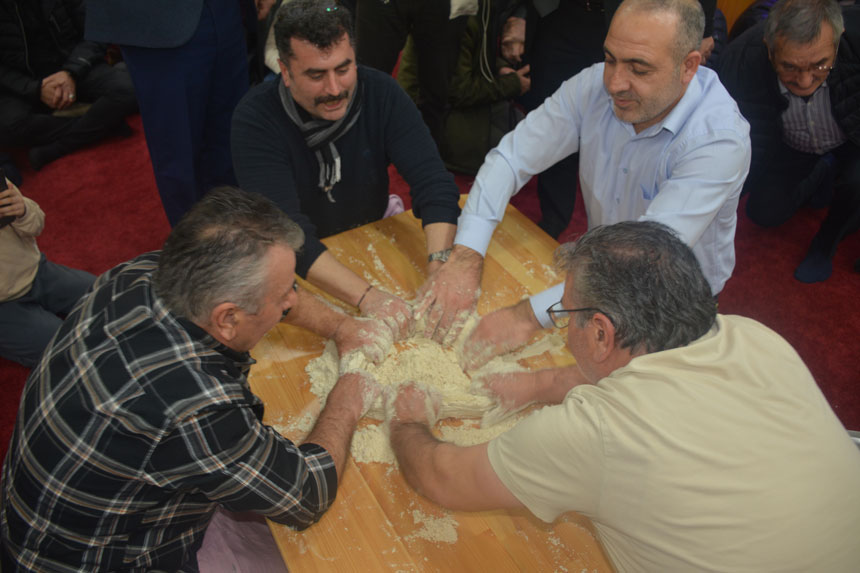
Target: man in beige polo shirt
{"type": "Point", "coordinates": [694, 441]}
{"type": "Point", "coordinates": [33, 290]}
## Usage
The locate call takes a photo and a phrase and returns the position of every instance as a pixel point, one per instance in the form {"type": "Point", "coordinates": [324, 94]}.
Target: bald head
{"type": "Point", "coordinates": [688, 16]}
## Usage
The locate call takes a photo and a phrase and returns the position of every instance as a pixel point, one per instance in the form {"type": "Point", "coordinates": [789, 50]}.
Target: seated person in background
{"type": "Point", "coordinates": [319, 141]}
{"type": "Point", "coordinates": [33, 290]}
{"type": "Point", "coordinates": [45, 67]}
{"type": "Point", "coordinates": [693, 441]}
{"type": "Point", "coordinates": [482, 87]}
{"type": "Point", "coordinates": [139, 420]}
{"type": "Point", "coordinates": [796, 78]}
{"type": "Point", "coordinates": [658, 138]}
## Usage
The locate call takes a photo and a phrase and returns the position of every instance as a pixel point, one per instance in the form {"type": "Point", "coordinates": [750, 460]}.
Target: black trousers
{"type": "Point", "coordinates": [843, 217]}
{"type": "Point", "coordinates": [566, 41]}
{"type": "Point", "coordinates": [778, 188]}
{"type": "Point", "coordinates": [381, 29]}
{"type": "Point", "coordinates": [26, 123]}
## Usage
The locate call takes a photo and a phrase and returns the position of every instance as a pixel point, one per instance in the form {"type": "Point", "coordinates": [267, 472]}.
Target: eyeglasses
{"type": "Point", "coordinates": [791, 70]}
{"type": "Point", "coordinates": [561, 316]}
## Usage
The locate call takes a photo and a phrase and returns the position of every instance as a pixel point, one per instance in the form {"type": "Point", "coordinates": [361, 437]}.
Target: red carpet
{"type": "Point", "coordinates": [102, 208]}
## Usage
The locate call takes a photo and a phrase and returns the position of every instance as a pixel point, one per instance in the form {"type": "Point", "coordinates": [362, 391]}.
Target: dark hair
{"type": "Point", "coordinates": [320, 22]}
{"type": "Point", "coordinates": [691, 22]}
{"type": "Point", "coordinates": [216, 253]}
{"type": "Point", "coordinates": [646, 280]}
{"type": "Point", "coordinates": [800, 21]}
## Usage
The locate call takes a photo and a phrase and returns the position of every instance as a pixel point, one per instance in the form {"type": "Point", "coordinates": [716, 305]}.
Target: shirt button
{"type": "Point", "coordinates": [624, 170]}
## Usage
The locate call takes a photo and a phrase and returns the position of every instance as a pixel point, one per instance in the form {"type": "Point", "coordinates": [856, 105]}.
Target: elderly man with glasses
{"type": "Point", "coordinates": [697, 443]}
{"type": "Point", "coordinates": [796, 78]}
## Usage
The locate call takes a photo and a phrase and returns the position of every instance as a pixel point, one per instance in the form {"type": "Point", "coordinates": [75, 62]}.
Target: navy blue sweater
{"type": "Point", "coordinates": [270, 157]}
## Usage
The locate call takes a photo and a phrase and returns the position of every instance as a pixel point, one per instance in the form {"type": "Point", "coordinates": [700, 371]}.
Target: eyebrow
{"type": "Point", "coordinates": [311, 71]}
{"type": "Point", "coordinates": [638, 61]}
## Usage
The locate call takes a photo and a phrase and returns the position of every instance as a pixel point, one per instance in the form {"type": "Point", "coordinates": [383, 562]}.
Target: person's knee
{"type": "Point", "coordinates": [768, 212]}
{"type": "Point", "coordinates": [31, 342]}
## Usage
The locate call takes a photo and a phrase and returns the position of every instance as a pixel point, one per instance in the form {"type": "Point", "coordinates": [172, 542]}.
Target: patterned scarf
{"type": "Point", "coordinates": [320, 135]}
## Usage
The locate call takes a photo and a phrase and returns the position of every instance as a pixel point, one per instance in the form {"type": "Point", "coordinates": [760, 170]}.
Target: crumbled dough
{"type": "Point", "coordinates": [439, 529]}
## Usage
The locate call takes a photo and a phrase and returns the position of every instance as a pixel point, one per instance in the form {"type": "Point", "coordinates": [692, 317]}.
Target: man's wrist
{"type": "Point", "coordinates": [442, 255]}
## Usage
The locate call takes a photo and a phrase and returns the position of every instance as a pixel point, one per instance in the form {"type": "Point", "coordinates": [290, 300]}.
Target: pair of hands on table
{"type": "Point", "coordinates": [444, 302]}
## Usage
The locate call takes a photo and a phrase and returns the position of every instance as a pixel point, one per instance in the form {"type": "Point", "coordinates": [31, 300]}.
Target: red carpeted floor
{"type": "Point", "coordinates": [102, 208]}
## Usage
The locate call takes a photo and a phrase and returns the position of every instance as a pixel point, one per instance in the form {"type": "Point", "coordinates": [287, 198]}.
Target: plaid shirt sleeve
{"type": "Point", "coordinates": [234, 459]}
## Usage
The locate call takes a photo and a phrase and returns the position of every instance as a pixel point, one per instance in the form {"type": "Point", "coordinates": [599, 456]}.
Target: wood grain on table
{"type": "Point", "coordinates": [377, 522]}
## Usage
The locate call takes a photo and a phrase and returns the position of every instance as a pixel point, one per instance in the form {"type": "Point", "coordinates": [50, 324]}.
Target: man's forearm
{"type": "Point", "coordinates": [333, 277]}
{"type": "Point", "coordinates": [553, 384]}
{"type": "Point", "coordinates": [415, 446]}
{"type": "Point", "coordinates": [439, 236]}
{"type": "Point", "coordinates": [314, 314]}
{"type": "Point", "coordinates": [336, 423]}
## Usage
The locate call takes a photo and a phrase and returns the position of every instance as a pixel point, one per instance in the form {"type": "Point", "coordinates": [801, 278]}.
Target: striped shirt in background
{"type": "Point", "coordinates": [133, 428]}
{"type": "Point", "coordinates": [808, 125]}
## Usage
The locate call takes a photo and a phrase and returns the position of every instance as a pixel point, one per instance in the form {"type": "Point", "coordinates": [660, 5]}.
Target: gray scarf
{"type": "Point", "coordinates": [320, 135]}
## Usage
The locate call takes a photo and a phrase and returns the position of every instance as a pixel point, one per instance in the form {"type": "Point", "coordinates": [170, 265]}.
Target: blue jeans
{"type": "Point", "coordinates": [28, 323]}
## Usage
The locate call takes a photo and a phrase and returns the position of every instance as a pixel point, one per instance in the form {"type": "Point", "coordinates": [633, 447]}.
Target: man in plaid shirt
{"type": "Point", "coordinates": [139, 421]}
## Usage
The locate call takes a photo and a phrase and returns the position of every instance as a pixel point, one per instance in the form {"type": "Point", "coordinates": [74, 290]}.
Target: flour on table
{"type": "Point", "coordinates": [443, 529]}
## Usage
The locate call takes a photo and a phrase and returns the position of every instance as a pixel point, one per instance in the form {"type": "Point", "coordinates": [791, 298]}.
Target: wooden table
{"type": "Point", "coordinates": [371, 525]}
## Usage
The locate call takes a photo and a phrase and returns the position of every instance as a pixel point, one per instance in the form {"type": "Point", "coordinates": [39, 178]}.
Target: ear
{"type": "Point", "coordinates": [224, 322]}
{"type": "Point", "coordinates": [601, 337]}
{"type": "Point", "coordinates": [285, 72]}
{"type": "Point", "coordinates": [689, 66]}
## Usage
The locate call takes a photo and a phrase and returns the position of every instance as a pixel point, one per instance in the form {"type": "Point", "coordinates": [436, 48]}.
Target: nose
{"type": "Point", "coordinates": [289, 303]}
{"type": "Point", "coordinates": [616, 79]}
{"type": "Point", "coordinates": [805, 79]}
{"type": "Point", "coordinates": [331, 85]}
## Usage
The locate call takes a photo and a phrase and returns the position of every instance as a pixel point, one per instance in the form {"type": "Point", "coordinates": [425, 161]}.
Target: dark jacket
{"type": "Point", "coordinates": [144, 23]}
{"type": "Point", "coordinates": [748, 75]}
{"type": "Point", "coordinates": [25, 59]}
{"type": "Point", "coordinates": [481, 110]}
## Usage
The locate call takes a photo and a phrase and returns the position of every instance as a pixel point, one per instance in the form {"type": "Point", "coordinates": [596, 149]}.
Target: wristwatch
{"type": "Point", "coordinates": [439, 256]}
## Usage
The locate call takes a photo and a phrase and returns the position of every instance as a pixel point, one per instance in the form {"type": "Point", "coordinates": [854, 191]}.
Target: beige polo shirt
{"type": "Point", "coordinates": [720, 456]}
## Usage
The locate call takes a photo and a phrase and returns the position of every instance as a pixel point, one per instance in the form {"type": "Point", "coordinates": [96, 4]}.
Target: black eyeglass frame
{"type": "Point", "coordinates": [552, 311]}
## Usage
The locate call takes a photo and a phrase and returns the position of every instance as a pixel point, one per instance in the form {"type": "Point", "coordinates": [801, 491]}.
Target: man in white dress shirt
{"type": "Point", "coordinates": [659, 139]}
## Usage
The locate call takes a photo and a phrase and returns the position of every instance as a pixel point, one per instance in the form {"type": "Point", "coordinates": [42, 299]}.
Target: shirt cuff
{"type": "Point", "coordinates": [474, 232]}
{"type": "Point", "coordinates": [543, 300]}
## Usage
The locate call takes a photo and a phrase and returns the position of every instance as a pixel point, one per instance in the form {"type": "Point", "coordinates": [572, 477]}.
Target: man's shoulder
{"type": "Point", "coordinates": [263, 96]}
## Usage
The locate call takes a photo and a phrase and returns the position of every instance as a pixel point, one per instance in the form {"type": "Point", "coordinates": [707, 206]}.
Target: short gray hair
{"type": "Point", "coordinates": [320, 22]}
{"type": "Point", "coordinates": [217, 252]}
{"type": "Point", "coordinates": [645, 279]}
{"type": "Point", "coordinates": [800, 21]}
{"type": "Point", "coordinates": [691, 21]}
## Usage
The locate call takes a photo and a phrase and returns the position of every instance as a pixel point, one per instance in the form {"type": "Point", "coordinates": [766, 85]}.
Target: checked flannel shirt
{"type": "Point", "coordinates": [131, 430]}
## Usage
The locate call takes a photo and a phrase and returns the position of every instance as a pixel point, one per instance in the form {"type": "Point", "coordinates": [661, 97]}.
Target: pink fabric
{"type": "Point", "coordinates": [239, 543]}
{"type": "Point", "coordinates": [395, 206]}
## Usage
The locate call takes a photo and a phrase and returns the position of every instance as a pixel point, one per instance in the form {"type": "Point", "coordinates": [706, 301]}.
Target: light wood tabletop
{"type": "Point", "coordinates": [377, 522]}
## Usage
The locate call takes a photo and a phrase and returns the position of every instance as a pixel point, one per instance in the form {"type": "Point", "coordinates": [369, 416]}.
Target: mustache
{"type": "Point", "coordinates": [625, 95]}
{"type": "Point", "coordinates": [331, 98]}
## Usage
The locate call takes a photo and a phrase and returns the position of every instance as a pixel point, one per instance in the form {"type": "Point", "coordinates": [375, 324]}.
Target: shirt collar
{"type": "Point", "coordinates": [242, 359]}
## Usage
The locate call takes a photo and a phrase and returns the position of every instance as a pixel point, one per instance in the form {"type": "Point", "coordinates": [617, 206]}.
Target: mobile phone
{"type": "Point", "coordinates": [4, 220]}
